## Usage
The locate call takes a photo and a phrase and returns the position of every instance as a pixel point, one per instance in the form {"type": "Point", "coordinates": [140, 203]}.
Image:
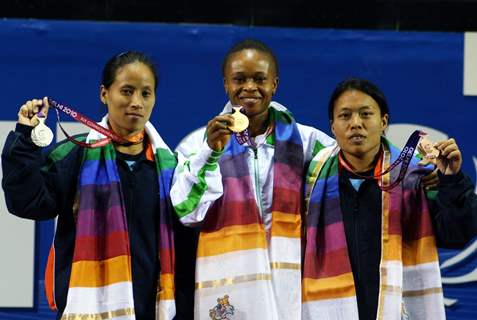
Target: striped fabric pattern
{"type": "Point", "coordinates": [101, 279]}
{"type": "Point", "coordinates": [410, 284]}
{"type": "Point", "coordinates": [261, 278]}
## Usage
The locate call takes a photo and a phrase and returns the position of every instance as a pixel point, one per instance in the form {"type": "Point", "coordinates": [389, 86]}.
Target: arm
{"type": "Point", "coordinates": [454, 208]}
{"type": "Point", "coordinates": [33, 190]}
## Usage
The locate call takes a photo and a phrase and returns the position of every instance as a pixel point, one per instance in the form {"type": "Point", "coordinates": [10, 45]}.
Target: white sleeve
{"type": "Point", "coordinates": [197, 181]}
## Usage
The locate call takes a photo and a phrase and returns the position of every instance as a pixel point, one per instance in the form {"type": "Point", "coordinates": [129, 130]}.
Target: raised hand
{"type": "Point", "coordinates": [28, 112]}
{"type": "Point", "coordinates": [218, 132]}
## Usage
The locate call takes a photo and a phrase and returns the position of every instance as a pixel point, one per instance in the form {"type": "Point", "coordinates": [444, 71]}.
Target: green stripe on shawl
{"type": "Point", "coordinates": [104, 153]}
{"type": "Point", "coordinates": [167, 159]}
{"type": "Point", "coordinates": [60, 152]}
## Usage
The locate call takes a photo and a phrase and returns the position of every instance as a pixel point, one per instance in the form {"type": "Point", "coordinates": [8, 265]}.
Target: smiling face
{"type": "Point", "coordinates": [358, 124]}
{"type": "Point", "coordinates": [250, 80]}
{"type": "Point", "coordinates": [130, 98]}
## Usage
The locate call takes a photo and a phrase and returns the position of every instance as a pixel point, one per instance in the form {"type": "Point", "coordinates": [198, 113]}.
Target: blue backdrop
{"type": "Point", "coordinates": [420, 73]}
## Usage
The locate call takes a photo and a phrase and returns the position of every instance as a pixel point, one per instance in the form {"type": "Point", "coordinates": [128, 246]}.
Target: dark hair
{"type": "Point", "coordinates": [362, 85]}
{"type": "Point", "coordinates": [250, 44]}
{"type": "Point", "coordinates": [120, 60]}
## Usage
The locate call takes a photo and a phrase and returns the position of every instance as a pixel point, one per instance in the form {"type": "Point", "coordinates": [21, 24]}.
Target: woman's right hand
{"type": "Point", "coordinates": [27, 114]}
{"type": "Point", "coordinates": [218, 132]}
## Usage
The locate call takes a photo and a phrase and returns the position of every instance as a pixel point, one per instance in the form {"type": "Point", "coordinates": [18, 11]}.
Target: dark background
{"type": "Point", "coordinates": [416, 15]}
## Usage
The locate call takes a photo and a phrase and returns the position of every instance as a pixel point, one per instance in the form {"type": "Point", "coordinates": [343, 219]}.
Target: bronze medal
{"type": "Point", "coordinates": [240, 120]}
{"type": "Point", "coordinates": [428, 151]}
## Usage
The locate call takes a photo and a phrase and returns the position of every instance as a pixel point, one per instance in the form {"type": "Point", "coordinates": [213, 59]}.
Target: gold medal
{"type": "Point", "coordinates": [240, 120]}
{"type": "Point", "coordinates": [41, 135]}
{"type": "Point", "coordinates": [428, 151]}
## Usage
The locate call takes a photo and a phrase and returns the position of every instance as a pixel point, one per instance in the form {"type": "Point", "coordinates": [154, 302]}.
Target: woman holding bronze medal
{"type": "Point", "coordinates": [371, 238]}
{"type": "Point", "coordinates": [111, 199]}
{"type": "Point", "coordinates": [242, 185]}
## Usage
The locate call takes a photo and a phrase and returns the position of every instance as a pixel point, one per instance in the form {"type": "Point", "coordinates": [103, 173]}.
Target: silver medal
{"type": "Point", "coordinates": [41, 135]}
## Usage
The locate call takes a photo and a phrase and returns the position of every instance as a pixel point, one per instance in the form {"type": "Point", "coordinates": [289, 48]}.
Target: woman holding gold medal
{"type": "Point", "coordinates": [243, 186]}
{"type": "Point", "coordinates": [111, 199]}
{"type": "Point", "coordinates": [370, 250]}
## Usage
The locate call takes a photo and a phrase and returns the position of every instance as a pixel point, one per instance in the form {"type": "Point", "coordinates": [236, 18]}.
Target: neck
{"type": "Point", "coordinates": [364, 162]}
{"type": "Point", "coordinates": [258, 124]}
{"type": "Point", "coordinates": [132, 149]}
{"type": "Point", "coordinates": [137, 135]}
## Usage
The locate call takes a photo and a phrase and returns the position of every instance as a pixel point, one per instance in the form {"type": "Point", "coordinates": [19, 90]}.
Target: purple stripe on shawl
{"type": "Point", "coordinates": [92, 223]}
{"type": "Point", "coordinates": [98, 172]}
{"type": "Point", "coordinates": [288, 178]}
{"type": "Point", "coordinates": [334, 237]}
{"type": "Point", "coordinates": [165, 239]}
{"type": "Point", "coordinates": [292, 154]}
{"type": "Point", "coordinates": [165, 208]}
{"type": "Point", "coordinates": [231, 185]}
{"type": "Point", "coordinates": [234, 166]}
{"type": "Point", "coordinates": [334, 213]}
{"type": "Point", "coordinates": [103, 196]}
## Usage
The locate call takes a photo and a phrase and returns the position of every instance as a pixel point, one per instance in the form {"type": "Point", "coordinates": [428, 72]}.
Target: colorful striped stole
{"type": "Point", "coordinates": [238, 270]}
{"type": "Point", "coordinates": [410, 283]}
{"type": "Point", "coordinates": [101, 278]}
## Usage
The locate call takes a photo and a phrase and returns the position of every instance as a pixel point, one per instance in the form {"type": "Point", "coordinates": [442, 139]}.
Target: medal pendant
{"type": "Point", "coordinates": [428, 151]}
{"type": "Point", "coordinates": [41, 135]}
{"type": "Point", "coordinates": [240, 120]}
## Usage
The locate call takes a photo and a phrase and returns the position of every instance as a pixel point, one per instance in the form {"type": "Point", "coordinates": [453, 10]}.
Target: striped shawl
{"type": "Point", "coordinates": [238, 270]}
{"type": "Point", "coordinates": [410, 282]}
{"type": "Point", "coordinates": [101, 280]}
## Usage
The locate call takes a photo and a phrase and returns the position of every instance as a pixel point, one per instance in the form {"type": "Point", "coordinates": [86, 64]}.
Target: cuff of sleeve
{"type": "Point", "coordinates": [23, 129]}
{"type": "Point", "coordinates": [451, 178]}
{"type": "Point", "coordinates": [208, 155]}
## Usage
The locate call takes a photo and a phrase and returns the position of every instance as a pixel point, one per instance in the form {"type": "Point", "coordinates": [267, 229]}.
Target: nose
{"type": "Point", "coordinates": [356, 121]}
{"type": "Point", "coordinates": [136, 100]}
{"type": "Point", "coordinates": [250, 85]}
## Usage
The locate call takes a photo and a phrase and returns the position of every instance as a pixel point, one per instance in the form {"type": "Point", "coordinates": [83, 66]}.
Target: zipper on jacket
{"type": "Point", "coordinates": [257, 182]}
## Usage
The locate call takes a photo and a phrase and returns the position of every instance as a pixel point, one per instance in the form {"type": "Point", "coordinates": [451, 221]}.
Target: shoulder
{"type": "Point", "coordinates": [65, 152]}
{"type": "Point", "coordinates": [192, 142]}
{"type": "Point", "coordinates": [311, 133]}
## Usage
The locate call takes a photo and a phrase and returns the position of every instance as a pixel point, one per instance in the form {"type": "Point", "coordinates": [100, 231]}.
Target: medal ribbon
{"type": "Point", "coordinates": [110, 135]}
{"type": "Point", "coordinates": [244, 136]}
{"type": "Point", "coordinates": [405, 157]}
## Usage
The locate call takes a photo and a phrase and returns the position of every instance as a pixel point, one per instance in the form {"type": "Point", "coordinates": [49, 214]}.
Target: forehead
{"type": "Point", "coordinates": [250, 60]}
{"type": "Point", "coordinates": [355, 99]}
{"type": "Point", "coordinates": [133, 72]}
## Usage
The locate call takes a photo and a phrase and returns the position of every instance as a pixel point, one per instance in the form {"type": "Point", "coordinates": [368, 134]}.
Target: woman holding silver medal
{"type": "Point", "coordinates": [111, 200]}
{"type": "Point", "coordinates": [370, 250]}
{"type": "Point", "coordinates": [244, 190]}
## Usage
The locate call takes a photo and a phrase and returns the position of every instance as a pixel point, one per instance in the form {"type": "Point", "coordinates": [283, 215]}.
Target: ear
{"type": "Point", "coordinates": [103, 94]}
{"type": "Point", "coordinates": [275, 85]}
{"type": "Point", "coordinates": [332, 128]}
{"type": "Point", "coordinates": [385, 121]}
{"type": "Point", "coordinates": [226, 86]}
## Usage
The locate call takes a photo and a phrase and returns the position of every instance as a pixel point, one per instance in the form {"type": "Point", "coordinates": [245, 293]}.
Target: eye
{"type": "Point", "coordinates": [238, 79]}
{"type": "Point", "coordinates": [344, 115]}
{"type": "Point", "coordinates": [260, 79]}
{"type": "Point", "coordinates": [366, 114]}
{"type": "Point", "coordinates": [146, 94]}
{"type": "Point", "coordinates": [126, 91]}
